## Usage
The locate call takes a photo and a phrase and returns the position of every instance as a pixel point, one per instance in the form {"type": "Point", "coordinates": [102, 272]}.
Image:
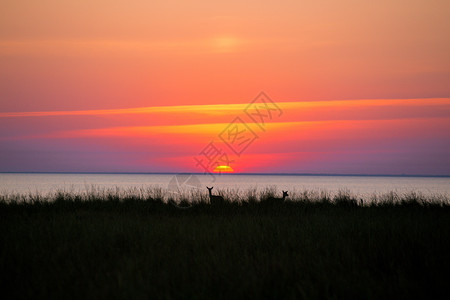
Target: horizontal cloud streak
{"type": "Point", "coordinates": [224, 109]}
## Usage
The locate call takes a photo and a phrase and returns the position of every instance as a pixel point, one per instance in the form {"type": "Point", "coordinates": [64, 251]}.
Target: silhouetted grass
{"type": "Point", "coordinates": [135, 244]}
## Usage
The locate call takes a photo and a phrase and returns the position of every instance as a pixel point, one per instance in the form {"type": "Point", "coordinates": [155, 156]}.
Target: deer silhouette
{"type": "Point", "coordinates": [214, 200]}
{"type": "Point", "coordinates": [273, 199]}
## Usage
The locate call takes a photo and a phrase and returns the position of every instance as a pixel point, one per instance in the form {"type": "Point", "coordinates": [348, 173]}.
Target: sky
{"type": "Point", "coordinates": [338, 87]}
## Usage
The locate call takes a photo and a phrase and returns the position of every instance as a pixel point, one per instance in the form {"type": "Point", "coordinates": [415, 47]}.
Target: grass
{"type": "Point", "coordinates": [134, 244]}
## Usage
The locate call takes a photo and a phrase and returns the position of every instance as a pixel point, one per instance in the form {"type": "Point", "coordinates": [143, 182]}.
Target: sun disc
{"type": "Point", "coordinates": [223, 169]}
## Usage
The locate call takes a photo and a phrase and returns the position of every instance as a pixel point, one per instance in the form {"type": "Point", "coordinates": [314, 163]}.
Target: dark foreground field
{"type": "Point", "coordinates": [140, 249]}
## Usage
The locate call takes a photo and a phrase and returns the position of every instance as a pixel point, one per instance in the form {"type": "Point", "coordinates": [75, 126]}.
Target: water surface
{"type": "Point", "coordinates": [360, 186]}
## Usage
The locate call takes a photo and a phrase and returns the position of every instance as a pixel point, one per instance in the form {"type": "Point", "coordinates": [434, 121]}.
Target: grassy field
{"type": "Point", "coordinates": [125, 246]}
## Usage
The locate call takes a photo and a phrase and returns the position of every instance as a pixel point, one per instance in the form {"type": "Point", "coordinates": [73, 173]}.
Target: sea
{"type": "Point", "coordinates": [363, 187]}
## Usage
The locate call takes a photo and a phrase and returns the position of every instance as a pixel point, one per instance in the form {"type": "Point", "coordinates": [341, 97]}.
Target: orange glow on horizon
{"type": "Point", "coordinates": [331, 132]}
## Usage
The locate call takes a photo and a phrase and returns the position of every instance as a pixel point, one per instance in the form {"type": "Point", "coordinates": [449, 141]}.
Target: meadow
{"type": "Point", "coordinates": [144, 244]}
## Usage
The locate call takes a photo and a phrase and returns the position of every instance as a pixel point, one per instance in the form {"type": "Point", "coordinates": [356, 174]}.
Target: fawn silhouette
{"type": "Point", "coordinates": [214, 200]}
{"type": "Point", "coordinates": [273, 199]}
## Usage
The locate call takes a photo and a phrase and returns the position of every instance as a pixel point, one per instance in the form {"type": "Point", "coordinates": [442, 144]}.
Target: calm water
{"type": "Point", "coordinates": [361, 186]}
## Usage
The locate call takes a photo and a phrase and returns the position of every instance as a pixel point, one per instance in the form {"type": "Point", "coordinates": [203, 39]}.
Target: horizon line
{"type": "Point", "coordinates": [227, 174]}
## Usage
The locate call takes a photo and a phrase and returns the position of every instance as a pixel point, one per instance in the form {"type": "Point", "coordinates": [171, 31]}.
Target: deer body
{"type": "Point", "coordinates": [213, 199]}
{"type": "Point", "coordinates": [273, 199]}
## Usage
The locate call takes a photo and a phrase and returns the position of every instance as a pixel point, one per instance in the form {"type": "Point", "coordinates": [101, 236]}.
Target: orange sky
{"type": "Point", "coordinates": [145, 86]}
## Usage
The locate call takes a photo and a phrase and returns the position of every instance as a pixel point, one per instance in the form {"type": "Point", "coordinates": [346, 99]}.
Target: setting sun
{"type": "Point", "coordinates": [223, 169]}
